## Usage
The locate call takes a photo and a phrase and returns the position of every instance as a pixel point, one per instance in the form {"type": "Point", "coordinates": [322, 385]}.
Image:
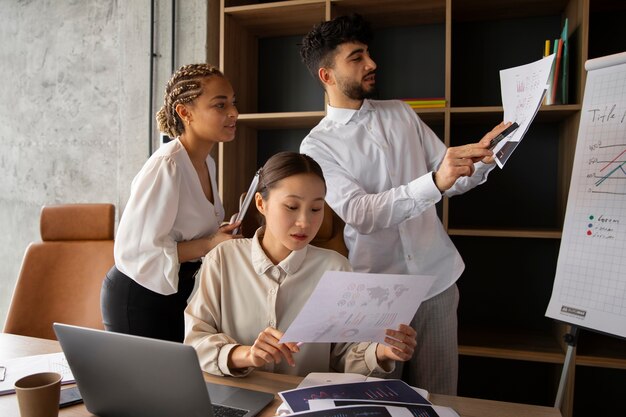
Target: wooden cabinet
{"type": "Point", "coordinates": [507, 230]}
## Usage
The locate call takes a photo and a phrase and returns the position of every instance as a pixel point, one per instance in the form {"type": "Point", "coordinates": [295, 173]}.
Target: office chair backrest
{"type": "Point", "coordinates": [330, 235]}
{"type": "Point", "coordinates": [61, 277]}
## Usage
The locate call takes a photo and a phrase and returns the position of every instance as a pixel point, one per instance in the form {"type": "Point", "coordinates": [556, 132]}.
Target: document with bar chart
{"type": "Point", "coordinates": [388, 390]}
{"type": "Point", "coordinates": [590, 283]}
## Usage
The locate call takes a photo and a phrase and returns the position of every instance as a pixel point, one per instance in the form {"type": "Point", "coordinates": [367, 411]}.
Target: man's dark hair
{"type": "Point", "coordinates": [318, 46]}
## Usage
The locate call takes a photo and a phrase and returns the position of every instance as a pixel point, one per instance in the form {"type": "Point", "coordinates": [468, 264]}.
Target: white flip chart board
{"type": "Point", "coordinates": [590, 284]}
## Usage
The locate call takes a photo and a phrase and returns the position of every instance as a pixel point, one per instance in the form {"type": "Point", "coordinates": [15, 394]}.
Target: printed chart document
{"type": "Point", "coordinates": [376, 397]}
{"type": "Point", "coordinates": [316, 379]}
{"type": "Point", "coordinates": [329, 408]}
{"type": "Point", "coordinates": [19, 367]}
{"type": "Point", "coordinates": [357, 307]}
{"type": "Point", "coordinates": [387, 390]}
{"type": "Point", "coordinates": [329, 378]}
{"type": "Point", "coordinates": [522, 91]}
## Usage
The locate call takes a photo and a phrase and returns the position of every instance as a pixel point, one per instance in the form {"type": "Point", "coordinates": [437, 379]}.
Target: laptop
{"type": "Point", "coordinates": [120, 375]}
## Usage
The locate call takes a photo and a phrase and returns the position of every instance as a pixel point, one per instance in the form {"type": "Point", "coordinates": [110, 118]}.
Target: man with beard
{"type": "Point", "coordinates": [385, 171]}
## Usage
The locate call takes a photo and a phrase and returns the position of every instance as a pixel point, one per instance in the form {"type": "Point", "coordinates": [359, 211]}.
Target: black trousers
{"type": "Point", "coordinates": [130, 308]}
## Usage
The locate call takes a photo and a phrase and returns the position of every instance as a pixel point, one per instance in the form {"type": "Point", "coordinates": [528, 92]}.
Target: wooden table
{"type": "Point", "coordinates": [12, 346]}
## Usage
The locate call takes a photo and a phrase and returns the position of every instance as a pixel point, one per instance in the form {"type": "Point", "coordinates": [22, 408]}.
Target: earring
{"type": "Point", "coordinates": [187, 120]}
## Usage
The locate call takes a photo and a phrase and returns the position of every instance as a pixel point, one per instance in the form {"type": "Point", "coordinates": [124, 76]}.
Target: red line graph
{"type": "Point", "coordinates": [614, 159]}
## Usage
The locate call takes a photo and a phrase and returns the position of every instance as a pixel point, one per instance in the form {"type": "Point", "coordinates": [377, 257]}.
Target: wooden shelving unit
{"type": "Point", "coordinates": [507, 230]}
{"type": "Point", "coordinates": [287, 120]}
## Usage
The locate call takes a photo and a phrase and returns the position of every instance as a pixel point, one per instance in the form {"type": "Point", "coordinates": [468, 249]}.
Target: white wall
{"type": "Point", "coordinates": [74, 107]}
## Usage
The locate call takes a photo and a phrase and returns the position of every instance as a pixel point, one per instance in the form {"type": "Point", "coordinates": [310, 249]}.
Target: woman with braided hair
{"type": "Point", "coordinates": [173, 215]}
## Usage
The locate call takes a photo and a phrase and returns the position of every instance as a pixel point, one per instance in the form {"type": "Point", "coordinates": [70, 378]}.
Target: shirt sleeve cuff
{"type": "Point", "coordinates": [385, 367]}
{"type": "Point", "coordinates": [483, 168]}
{"type": "Point", "coordinates": [222, 362]}
{"type": "Point", "coordinates": [424, 188]}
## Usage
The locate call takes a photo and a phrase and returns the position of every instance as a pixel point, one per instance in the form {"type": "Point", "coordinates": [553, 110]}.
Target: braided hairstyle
{"type": "Point", "coordinates": [184, 87]}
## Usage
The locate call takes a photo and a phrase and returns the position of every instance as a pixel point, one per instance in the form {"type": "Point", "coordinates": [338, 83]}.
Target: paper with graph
{"type": "Point", "coordinates": [590, 283]}
{"type": "Point", "coordinates": [20, 367]}
{"type": "Point", "coordinates": [522, 90]}
{"type": "Point", "coordinates": [357, 307]}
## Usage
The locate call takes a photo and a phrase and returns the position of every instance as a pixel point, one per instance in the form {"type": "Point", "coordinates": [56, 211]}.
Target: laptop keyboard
{"type": "Point", "coordinates": [222, 411]}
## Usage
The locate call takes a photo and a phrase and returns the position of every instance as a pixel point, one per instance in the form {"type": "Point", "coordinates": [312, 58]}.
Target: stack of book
{"type": "Point", "coordinates": [425, 103]}
{"type": "Point", "coordinates": [558, 84]}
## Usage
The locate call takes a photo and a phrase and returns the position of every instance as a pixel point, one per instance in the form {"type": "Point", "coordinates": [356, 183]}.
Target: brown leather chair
{"type": "Point", "coordinates": [330, 235]}
{"type": "Point", "coordinates": [61, 277]}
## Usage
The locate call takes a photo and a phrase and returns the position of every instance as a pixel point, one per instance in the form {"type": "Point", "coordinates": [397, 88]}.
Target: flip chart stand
{"type": "Point", "coordinates": [570, 339]}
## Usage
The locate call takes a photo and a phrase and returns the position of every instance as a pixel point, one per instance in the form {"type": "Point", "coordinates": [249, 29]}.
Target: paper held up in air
{"type": "Point", "coordinates": [358, 307]}
{"type": "Point", "coordinates": [522, 90]}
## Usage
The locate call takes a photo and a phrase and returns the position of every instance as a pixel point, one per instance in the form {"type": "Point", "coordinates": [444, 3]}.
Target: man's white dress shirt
{"type": "Point", "coordinates": [378, 163]}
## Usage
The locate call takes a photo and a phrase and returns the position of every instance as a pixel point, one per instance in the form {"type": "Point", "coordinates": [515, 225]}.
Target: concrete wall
{"type": "Point", "coordinates": [74, 105]}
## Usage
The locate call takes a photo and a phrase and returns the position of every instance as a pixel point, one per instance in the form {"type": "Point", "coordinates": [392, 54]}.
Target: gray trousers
{"type": "Point", "coordinates": [435, 363]}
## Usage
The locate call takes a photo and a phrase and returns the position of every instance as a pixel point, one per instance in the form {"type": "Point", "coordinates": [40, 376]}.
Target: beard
{"type": "Point", "coordinates": [355, 90]}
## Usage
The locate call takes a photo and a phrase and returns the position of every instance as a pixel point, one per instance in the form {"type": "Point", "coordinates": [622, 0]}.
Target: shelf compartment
{"type": "Point", "coordinates": [599, 392]}
{"type": "Point", "coordinates": [284, 83]}
{"type": "Point", "coordinates": [505, 344]}
{"type": "Point", "coordinates": [270, 142]}
{"type": "Point", "coordinates": [393, 12]}
{"type": "Point", "coordinates": [435, 115]}
{"type": "Point", "coordinates": [309, 119]}
{"type": "Point", "coordinates": [496, 379]}
{"type": "Point", "coordinates": [494, 114]}
{"type": "Point", "coordinates": [606, 27]}
{"type": "Point", "coordinates": [516, 233]}
{"type": "Point", "coordinates": [557, 112]}
{"type": "Point", "coordinates": [402, 71]}
{"type": "Point", "coordinates": [514, 197]}
{"type": "Point", "coordinates": [489, 10]}
{"type": "Point", "coordinates": [286, 120]}
{"type": "Point", "coordinates": [481, 49]}
{"type": "Point", "coordinates": [506, 284]}
{"type": "Point", "coordinates": [281, 18]}
{"type": "Point", "coordinates": [600, 350]}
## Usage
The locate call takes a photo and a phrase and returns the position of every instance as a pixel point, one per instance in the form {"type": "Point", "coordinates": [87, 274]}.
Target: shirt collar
{"type": "Point", "coordinates": [291, 264]}
{"type": "Point", "coordinates": [343, 116]}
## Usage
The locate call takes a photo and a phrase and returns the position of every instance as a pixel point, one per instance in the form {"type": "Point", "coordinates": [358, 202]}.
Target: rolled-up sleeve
{"type": "Point", "coordinates": [359, 358]}
{"type": "Point", "coordinates": [202, 321]}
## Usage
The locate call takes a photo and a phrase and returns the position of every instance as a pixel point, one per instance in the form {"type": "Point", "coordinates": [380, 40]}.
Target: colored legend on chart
{"type": "Point", "coordinates": [590, 225]}
{"type": "Point", "coordinates": [602, 226]}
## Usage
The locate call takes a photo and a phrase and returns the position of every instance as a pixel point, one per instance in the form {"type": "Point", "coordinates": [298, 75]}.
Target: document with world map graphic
{"type": "Point", "coordinates": [357, 307]}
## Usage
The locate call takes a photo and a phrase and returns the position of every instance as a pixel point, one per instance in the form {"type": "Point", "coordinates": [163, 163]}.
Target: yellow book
{"type": "Point", "coordinates": [427, 106]}
{"type": "Point", "coordinates": [425, 102]}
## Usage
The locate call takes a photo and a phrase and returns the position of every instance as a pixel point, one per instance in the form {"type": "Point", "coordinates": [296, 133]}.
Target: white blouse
{"type": "Point", "coordinates": [241, 292]}
{"type": "Point", "coordinates": [167, 205]}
